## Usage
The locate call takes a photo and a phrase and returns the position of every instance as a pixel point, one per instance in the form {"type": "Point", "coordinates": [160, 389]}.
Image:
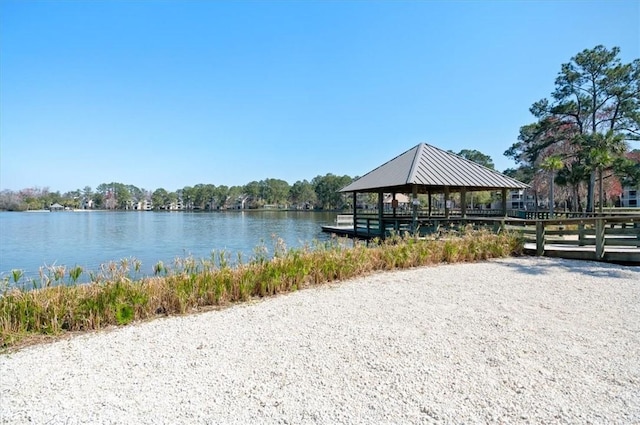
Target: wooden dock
{"type": "Point", "coordinates": [613, 239]}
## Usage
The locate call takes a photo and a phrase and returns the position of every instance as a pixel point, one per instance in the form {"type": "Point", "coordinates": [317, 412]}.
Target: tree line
{"type": "Point", "coordinates": [322, 192]}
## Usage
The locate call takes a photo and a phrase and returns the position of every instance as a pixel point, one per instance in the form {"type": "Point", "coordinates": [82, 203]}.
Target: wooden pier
{"type": "Point", "coordinates": [600, 238]}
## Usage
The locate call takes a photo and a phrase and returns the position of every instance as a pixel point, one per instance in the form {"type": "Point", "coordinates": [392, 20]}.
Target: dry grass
{"type": "Point", "coordinates": [119, 299]}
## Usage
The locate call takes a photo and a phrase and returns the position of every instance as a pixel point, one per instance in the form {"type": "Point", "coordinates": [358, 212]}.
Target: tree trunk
{"type": "Point", "coordinates": [578, 201]}
{"type": "Point", "coordinates": [551, 198]}
{"type": "Point", "coordinates": [590, 191]}
{"type": "Point", "coordinates": [600, 190]}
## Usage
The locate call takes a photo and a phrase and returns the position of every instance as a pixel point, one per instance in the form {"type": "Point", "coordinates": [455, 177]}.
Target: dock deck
{"type": "Point", "coordinates": [609, 239]}
{"type": "Point", "coordinates": [613, 254]}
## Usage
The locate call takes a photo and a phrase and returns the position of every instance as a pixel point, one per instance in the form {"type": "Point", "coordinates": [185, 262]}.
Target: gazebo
{"type": "Point", "coordinates": [429, 170]}
{"type": "Point", "coordinates": [56, 207]}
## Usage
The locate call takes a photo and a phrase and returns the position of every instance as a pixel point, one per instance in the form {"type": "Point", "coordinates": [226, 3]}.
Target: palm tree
{"type": "Point", "coordinates": [551, 164]}
{"type": "Point", "coordinates": [604, 149]}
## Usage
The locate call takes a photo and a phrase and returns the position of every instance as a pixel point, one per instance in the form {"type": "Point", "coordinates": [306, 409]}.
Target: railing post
{"type": "Point", "coordinates": [540, 238]}
{"type": "Point", "coordinates": [414, 209]}
{"type": "Point", "coordinates": [381, 229]}
{"type": "Point", "coordinates": [504, 202]}
{"type": "Point", "coordinates": [446, 202]}
{"type": "Point", "coordinates": [355, 216]}
{"type": "Point", "coordinates": [599, 238]}
{"type": "Point", "coordinates": [581, 235]}
{"type": "Point", "coordinates": [463, 202]}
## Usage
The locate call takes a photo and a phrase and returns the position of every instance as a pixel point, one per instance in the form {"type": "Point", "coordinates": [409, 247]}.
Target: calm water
{"type": "Point", "coordinates": [32, 239]}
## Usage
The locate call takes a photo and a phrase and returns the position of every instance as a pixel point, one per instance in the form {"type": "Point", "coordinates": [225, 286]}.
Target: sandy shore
{"type": "Point", "coordinates": [526, 340]}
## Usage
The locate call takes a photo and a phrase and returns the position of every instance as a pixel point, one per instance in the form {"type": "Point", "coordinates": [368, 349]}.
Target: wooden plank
{"type": "Point", "coordinates": [528, 231]}
{"type": "Point", "coordinates": [562, 232]}
{"type": "Point", "coordinates": [626, 231]}
{"type": "Point", "coordinates": [576, 243]}
{"type": "Point", "coordinates": [622, 242]}
{"type": "Point", "coordinates": [623, 256]}
{"type": "Point", "coordinates": [540, 238]}
{"type": "Point", "coordinates": [599, 238]}
{"type": "Point", "coordinates": [629, 258]}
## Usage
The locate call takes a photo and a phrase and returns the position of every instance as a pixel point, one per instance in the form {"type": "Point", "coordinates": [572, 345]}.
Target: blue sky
{"type": "Point", "coordinates": [175, 93]}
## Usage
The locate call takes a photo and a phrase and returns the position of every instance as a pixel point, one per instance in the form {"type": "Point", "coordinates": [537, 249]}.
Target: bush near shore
{"type": "Point", "coordinates": [195, 284]}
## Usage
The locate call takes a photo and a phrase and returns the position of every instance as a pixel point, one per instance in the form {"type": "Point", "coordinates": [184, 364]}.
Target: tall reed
{"type": "Point", "coordinates": [116, 298]}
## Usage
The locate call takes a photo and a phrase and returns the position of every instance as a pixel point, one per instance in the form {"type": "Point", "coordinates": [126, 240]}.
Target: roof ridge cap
{"type": "Point", "coordinates": [415, 162]}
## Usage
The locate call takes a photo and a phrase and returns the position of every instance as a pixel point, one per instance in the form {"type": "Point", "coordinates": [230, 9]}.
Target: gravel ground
{"type": "Point", "coordinates": [524, 340]}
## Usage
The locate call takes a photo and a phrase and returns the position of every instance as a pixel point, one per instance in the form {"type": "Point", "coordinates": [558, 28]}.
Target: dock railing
{"type": "Point", "coordinates": [343, 220]}
{"type": "Point", "coordinates": [596, 236]}
{"type": "Point", "coordinates": [604, 237]}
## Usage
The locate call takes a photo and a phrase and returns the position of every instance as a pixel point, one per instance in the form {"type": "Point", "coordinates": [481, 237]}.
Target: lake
{"type": "Point", "coordinates": [29, 240]}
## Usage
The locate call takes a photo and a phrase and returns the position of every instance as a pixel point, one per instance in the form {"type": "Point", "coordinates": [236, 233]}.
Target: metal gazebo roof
{"type": "Point", "coordinates": [431, 168]}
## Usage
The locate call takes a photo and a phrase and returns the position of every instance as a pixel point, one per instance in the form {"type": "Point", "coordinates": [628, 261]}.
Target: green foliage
{"type": "Point", "coordinates": [524, 173]}
{"type": "Point", "coordinates": [74, 274]}
{"type": "Point", "coordinates": [552, 164]}
{"type": "Point", "coordinates": [115, 195]}
{"type": "Point", "coordinates": [160, 198]}
{"type": "Point", "coordinates": [159, 269]}
{"type": "Point", "coordinates": [274, 191]}
{"type": "Point", "coordinates": [327, 190]}
{"type": "Point", "coordinates": [628, 168]}
{"type": "Point", "coordinates": [321, 192]}
{"type": "Point", "coordinates": [594, 108]}
{"type": "Point", "coordinates": [302, 192]}
{"type": "Point", "coordinates": [17, 274]}
{"type": "Point", "coordinates": [477, 157]}
{"type": "Point", "coordinates": [124, 314]}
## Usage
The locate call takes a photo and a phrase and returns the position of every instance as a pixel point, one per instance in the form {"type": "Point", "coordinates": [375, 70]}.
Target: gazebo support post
{"type": "Point", "coordinates": [504, 201]}
{"type": "Point", "coordinates": [429, 202]}
{"type": "Point", "coordinates": [394, 204]}
{"type": "Point", "coordinates": [355, 219]}
{"type": "Point", "coordinates": [446, 202]}
{"type": "Point", "coordinates": [463, 202]}
{"type": "Point", "coordinates": [381, 214]}
{"type": "Point", "coordinates": [414, 206]}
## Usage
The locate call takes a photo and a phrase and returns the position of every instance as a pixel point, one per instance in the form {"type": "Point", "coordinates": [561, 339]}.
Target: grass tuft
{"type": "Point", "coordinates": [115, 297]}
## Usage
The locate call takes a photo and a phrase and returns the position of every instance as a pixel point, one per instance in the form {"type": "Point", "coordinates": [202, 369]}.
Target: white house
{"type": "Point", "coordinates": [518, 199]}
{"type": "Point", "coordinates": [176, 206]}
{"type": "Point", "coordinates": [144, 205]}
{"type": "Point", "coordinates": [630, 197]}
{"type": "Point", "coordinates": [402, 201]}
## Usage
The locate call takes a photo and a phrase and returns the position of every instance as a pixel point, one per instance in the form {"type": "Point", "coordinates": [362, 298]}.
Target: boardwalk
{"type": "Point", "coordinates": [612, 239]}
{"type": "Point", "coordinates": [619, 255]}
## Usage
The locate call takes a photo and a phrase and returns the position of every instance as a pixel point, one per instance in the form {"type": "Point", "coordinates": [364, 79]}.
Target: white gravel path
{"type": "Point", "coordinates": [525, 340]}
